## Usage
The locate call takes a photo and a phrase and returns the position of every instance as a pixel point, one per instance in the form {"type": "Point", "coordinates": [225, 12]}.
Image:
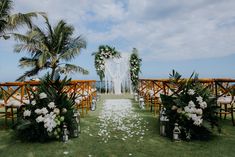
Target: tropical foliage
{"type": "Point", "coordinates": [48, 48]}
{"type": "Point", "coordinates": [135, 63]}
{"type": "Point", "coordinates": [10, 22]}
{"type": "Point", "coordinates": [104, 52]}
{"type": "Point", "coordinates": [50, 107]}
{"type": "Point", "coordinates": [192, 106]}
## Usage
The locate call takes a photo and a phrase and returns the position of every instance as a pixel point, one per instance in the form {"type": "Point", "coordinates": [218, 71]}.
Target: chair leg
{"type": "Point", "coordinates": [232, 115]}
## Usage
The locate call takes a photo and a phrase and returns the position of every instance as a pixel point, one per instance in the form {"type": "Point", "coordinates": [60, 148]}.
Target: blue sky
{"type": "Point", "coordinates": [195, 35]}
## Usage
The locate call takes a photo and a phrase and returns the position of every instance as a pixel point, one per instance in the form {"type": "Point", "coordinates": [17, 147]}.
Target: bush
{"type": "Point", "coordinates": [50, 107]}
{"type": "Point", "coordinates": [192, 106]}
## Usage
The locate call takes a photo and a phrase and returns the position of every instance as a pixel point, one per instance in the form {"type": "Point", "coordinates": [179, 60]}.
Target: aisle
{"type": "Point", "coordinates": [118, 120]}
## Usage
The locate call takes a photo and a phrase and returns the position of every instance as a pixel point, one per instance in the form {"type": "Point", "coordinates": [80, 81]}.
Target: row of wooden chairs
{"type": "Point", "coordinates": [15, 95]}
{"type": "Point", "coordinates": [150, 90]}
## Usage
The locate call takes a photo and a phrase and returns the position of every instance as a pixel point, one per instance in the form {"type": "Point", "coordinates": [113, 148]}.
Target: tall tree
{"type": "Point", "coordinates": [47, 48]}
{"type": "Point", "coordinates": [9, 22]}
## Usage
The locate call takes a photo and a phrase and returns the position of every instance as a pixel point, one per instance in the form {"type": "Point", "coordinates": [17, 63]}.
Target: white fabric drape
{"type": "Point", "coordinates": [117, 74]}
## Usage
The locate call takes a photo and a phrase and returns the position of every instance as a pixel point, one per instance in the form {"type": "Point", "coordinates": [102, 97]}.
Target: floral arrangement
{"type": "Point", "coordinates": [135, 63]}
{"type": "Point", "coordinates": [50, 107]}
{"type": "Point", "coordinates": [191, 106]}
{"type": "Point", "coordinates": [104, 52]}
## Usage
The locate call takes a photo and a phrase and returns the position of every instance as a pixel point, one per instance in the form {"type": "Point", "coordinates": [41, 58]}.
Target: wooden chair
{"type": "Point", "coordinates": [226, 107]}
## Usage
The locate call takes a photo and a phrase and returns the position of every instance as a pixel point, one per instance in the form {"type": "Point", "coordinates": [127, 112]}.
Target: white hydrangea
{"type": "Point", "coordinates": [203, 105]}
{"type": "Point", "coordinates": [27, 113]}
{"type": "Point", "coordinates": [51, 105]}
{"type": "Point", "coordinates": [191, 104]}
{"type": "Point", "coordinates": [49, 121]}
{"type": "Point", "coordinates": [191, 92]}
{"type": "Point", "coordinates": [198, 121]}
{"type": "Point", "coordinates": [42, 95]}
{"type": "Point", "coordinates": [44, 110]}
{"type": "Point", "coordinates": [39, 119]}
{"type": "Point", "coordinates": [38, 111]}
{"type": "Point", "coordinates": [199, 99]}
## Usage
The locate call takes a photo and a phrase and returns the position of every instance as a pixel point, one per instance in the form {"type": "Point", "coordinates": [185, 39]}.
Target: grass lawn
{"type": "Point", "coordinates": [90, 144]}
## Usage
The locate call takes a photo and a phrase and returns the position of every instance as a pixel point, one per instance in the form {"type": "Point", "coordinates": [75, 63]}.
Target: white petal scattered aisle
{"type": "Point", "coordinates": [118, 120]}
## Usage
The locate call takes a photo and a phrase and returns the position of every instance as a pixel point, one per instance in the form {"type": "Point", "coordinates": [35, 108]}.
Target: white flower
{"type": "Point", "coordinates": [56, 111]}
{"type": "Point", "coordinates": [198, 121]}
{"type": "Point", "coordinates": [199, 111]}
{"type": "Point", "coordinates": [33, 102]}
{"type": "Point", "coordinates": [194, 117]}
{"type": "Point", "coordinates": [187, 109]}
{"type": "Point", "coordinates": [27, 113]}
{"type": "Point", "coordinates": [191, 92]}
{"type": "Point", "coordinates": [42, 95]}
{"type": "Point", "coordinates": [38, 111]}
{"type": "Point", "coordinates": [174, 107]}
{"type": "Point", "coordinates": [64, 110]}
{"type": "Point", "coordinates": [203, 105]}
{"type": "Point", "coordinates": [39, 119]}
{"type": "Point", "coordinates": [49, 122]}
{"type": "Point", "coordinates": [191, 104]}
{"type": "Point", "coordinates": [44, 110]}
{"type": "Point", "coordinates": [51, 105]}
{"type": "Point", "coordinates": [199, 99]}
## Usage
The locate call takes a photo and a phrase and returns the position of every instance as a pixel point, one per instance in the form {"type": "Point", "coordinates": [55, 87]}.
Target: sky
{"type": "Point", "coordinates": [185, 35]}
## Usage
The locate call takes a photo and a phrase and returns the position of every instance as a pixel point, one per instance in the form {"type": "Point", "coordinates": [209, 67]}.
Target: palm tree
{"type": "Point", "coordinates": [10, 22]}
{"type": "Point", "coordinates": [48, 48]}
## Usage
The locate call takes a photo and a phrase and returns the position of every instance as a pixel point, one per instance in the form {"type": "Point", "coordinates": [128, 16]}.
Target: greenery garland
{"type": "Point", "coordinates": [104, 52]}
{"type": "Point", "coordinates": [135, 63]}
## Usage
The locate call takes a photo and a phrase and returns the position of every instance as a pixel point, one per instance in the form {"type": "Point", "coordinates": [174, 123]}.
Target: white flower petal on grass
{"type": "Point", "coordinates": [42, 95]}
{"type": "Point", "coordinates": [118, 115]}
{"type": "Point", "coordinates": [65, 153]}
{"type": "Point", "coordinates": [27, 113]}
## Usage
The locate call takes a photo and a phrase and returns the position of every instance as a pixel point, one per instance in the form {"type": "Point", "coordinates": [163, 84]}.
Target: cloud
{"type": "Point", "coordinates": [165, 30]}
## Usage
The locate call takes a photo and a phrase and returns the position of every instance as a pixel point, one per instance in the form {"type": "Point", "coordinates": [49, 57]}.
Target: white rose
{"type": "Point", "coordinates": [27, 113]}
{"type": "Point", "coordinates": [38, 111]}
{"type": "Point", "coordinates": [39, 119]}
{"type": "Point", "coordinates": [33, 102]}
{"type": "Point", "coordinates": [44, 110]}
{"type": "Point", "coordinates": [56, 111]}
{"type": "Point", "coordinates": [42, 95]}
{"type": "Point", "coordinates": [51, 105]}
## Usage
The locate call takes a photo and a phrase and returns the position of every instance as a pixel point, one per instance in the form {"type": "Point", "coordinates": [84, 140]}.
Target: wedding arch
{"type": "Point", "coordinates": [118, 71]}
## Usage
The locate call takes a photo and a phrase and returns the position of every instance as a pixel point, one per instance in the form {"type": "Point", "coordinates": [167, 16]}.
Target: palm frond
{"type": "Point", "coordinates": [74, 48]}
{"type": "Point", "coordinates": [27, 62]}
{"type": "Point", "coordinates": [29, 73]}
{"type": "Point", "coordinates": [68, 68]}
